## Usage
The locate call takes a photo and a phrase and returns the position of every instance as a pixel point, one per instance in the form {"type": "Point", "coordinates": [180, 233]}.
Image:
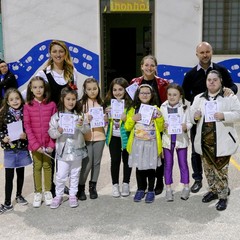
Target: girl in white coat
{"type": "Point", "coordinates": [216, 139]}
{"type": "Point", "coordinates": [175, 135]}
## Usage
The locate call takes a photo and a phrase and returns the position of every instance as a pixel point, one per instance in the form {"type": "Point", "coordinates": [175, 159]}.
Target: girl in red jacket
{"type": "Point", "coordinates": [37, 114]}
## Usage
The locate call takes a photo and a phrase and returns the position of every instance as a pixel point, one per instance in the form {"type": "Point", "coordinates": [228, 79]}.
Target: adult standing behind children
{"type": "Point", "coordinates": [8, 80]}
{"type": "Point", "coordinates": [149, 76]}
{"type": "Point", "coordinates": [194, 83]}
{"type": "Point", "coordinates": [216, 138]}
{"type": "Point", "coordinates": [59, 72]}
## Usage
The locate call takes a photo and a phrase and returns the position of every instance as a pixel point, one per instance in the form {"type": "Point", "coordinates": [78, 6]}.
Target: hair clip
{"type": "Point", "coordinates": [73, 86]}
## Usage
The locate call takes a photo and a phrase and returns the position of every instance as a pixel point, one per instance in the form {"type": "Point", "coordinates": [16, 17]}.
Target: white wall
{"type": "Point", "coordinates": [178, 30]}
{"type": "Point", "coordinates": [28, 22]}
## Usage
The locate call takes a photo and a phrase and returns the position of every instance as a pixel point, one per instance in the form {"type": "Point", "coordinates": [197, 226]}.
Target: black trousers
{"type": "Point", "coordinates": [9, 175]}
{"type": "Point", "coordinates": [143, 176]}
{"type": "Point", "coordinates": [195, 157]}
{"type": "Point", "coordinates": [116, 154]}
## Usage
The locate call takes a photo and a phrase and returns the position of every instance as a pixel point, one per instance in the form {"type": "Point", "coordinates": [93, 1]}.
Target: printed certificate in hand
{"type": "Point", "coordinates": [117, 108]}
{"type": "Point", "coordinates": [131, 90]}
{"type": "Point", "coordinates": [15, 129]}
{"type": "Point", "coordinates": [146, 113]}
{"type": "Point", "coordinates": [97, 117]}
{"type": "Point", "coordinates": [210, 109]}
{"type": "Point", "coordinates": [174, 123]}
{"type": "Point", "coordinates": [67, 122]}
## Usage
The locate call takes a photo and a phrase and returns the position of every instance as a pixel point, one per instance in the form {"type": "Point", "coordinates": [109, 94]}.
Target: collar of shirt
{"type": "Point", "coordinates": [200, 67]}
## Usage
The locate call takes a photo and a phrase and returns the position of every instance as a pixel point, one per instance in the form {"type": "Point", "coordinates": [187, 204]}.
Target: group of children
{"type": "Point", "coordinates": [138, 132]}
{"type": "Point", "coordinates": [78, 150]}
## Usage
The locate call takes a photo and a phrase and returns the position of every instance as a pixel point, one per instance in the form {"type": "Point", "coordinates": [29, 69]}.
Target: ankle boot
{"type": "Point", "coordinates": [81, 193]}
{"type": "Point", "coordinates": [92, 190]}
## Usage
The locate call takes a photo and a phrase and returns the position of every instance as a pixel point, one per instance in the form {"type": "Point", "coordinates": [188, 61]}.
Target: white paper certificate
{"type": "Point", "coordinates": [210, 109]}
{"type": "Point", "coordinates": [97, 117]}
{"type": "Point", "coordinates": [174, 123]}
{"type": "Point", "coordinates": [15, 129]}
{"type": "Point", "coordinates": [117, 108]}
{"type": "Point", "coordinates": [131, 90]}
{"type": "Point", "coordinates": [67, 122]}
{"type": "Point", "coordinates": [146, 113]}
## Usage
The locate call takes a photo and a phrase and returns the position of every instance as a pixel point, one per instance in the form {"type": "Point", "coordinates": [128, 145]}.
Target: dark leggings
{"type": "Point", "coordinates": [117, 154]}
{"type": "Point", "coordinates": [9, 175]}
{"type": "Point", "coordinates": [143, 176]}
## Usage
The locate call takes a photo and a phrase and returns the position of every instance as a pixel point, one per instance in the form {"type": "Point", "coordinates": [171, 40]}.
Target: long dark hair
{"type": "Point", "coordinates": [153, 101]}
{"type": "Point", "coordinates": [84, 99]}
{"type": "Point", "coordinates": [123, 83]}
{"type": "Point", "coordinates": [64, 92]}
{"type": "Point", "coordinates": [46, 95]}
{"type": "Point", "coordinates": [5, 106]}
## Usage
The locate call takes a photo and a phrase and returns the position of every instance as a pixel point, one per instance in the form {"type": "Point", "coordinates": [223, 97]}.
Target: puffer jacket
{"type": "Point", "coordinates": [78, 135]}
{"type": "Point", "coordinates": [36, 123]}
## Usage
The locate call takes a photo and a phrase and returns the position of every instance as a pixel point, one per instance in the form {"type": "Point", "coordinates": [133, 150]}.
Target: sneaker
{"type": "Point", "coordinates": [48, 198]}
{"type": "Point", "coordinates": [169, 195]}
{"type": "Point", "coordinates": [115, 190]}
{"type": "Point", "coordinates": [125, 190]}
{"type": "Point", "coordinates": [37, 200]}
{"type": "Point", "coordinates": [73, 201]}
{"type": "Point", "coordinates": [138, 196]}
{"type": "Point", "coordinates": [56, 202]}
{"type": "Point", "coordinates": [150, 196]}
{"type": "Point", "coordinates": [185, 193]}
{"type": "Point", "coordinates": [5, 208]}
{"type": "Point", "coordinates": [21, 200]}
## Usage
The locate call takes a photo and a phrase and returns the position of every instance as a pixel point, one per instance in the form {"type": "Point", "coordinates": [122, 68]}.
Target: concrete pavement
{"type": "Point", "coordinates": [122, 219]}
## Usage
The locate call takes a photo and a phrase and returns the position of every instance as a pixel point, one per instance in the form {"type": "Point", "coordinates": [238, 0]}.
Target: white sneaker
{"type": "Point", "coordinates": [48, 198]}
{"type": "Point", "coordinates": [37, 200]}
{"type": "Point", "coordinates": [115, 190]}
{"type": "Point", "coordinates": [125, 190]}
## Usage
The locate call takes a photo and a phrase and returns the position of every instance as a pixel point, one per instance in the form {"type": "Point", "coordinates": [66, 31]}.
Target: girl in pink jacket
{"type": "Point", "coordinates": [37, 114]}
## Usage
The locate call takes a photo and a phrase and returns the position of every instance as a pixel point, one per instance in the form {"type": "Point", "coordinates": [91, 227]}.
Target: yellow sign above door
{"type": "Point", "coordinates": [129, 5]}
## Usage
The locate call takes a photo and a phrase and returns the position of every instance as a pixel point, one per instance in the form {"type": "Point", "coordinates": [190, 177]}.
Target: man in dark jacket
{"type": "Point", "coordinates": [8, 80]}
{"type": "Point", "coordinates": [194, 83]}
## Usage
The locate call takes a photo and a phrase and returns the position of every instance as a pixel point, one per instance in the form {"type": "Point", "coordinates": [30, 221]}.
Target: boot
{"type": "Point", "coordinates": [81, 193]}
{"type": "Point", "coordinates": [92, 190]}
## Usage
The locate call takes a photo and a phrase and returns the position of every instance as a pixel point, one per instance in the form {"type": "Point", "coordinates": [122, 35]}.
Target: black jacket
{"type": "Point", "coordinates": [195, 81]}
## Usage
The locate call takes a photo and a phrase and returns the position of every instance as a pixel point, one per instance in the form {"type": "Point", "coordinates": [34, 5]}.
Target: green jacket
{"type": "Point", "coordinates": [129, 126]}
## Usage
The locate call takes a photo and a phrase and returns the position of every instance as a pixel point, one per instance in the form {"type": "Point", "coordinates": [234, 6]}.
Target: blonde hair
{"type": "Point", "coordinates": [67, 65]}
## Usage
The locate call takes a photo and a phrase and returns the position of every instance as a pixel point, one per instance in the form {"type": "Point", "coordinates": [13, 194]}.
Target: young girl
{"type": "Point", "coordinates": [144, 144]}
{"type": "Point", "coordinates": [16, 154]}
{"type": "Point", "coordinates": [149, 76]}
{"type": "Point", "coordinates": [66, 126]}
{"type": "Point", "coordinates": [37, 114]}
{"type": "Point", "coordinates": [175, 106]}
{"type": "Point", "coordinates": [95, 140]}
{"type": "Point", "coordinates": [117, 137]}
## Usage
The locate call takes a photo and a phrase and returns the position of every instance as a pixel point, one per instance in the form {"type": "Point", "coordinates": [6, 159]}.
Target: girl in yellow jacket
{"type": "Point", "coordinates": [144, 145]}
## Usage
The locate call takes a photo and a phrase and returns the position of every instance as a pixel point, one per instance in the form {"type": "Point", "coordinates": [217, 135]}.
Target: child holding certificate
{"type": "Point", "coordinates": [118, 103]}
{"type": "Point", "coordinates": [175, 135]}
{"type": "Point", "coordinates": [216, 139]}
{"type": "Point", "coordinates": [37, 114]}
{"type": "Point", "coordinates": [144, 144]}
{"type": "Point", "coordinates": [91, 103]}
{"type": "Point", "coordinates": [68, 128]}
{"type": "Point", "coordinates": [14, 143]}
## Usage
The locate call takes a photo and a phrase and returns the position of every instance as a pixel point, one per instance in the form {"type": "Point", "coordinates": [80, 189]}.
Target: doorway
{"type": "Point", "coordinates": [126, 39]}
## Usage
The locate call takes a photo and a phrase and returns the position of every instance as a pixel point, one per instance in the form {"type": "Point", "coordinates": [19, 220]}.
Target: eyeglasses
{"type": "Point", "coordinates": [144, 93]}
